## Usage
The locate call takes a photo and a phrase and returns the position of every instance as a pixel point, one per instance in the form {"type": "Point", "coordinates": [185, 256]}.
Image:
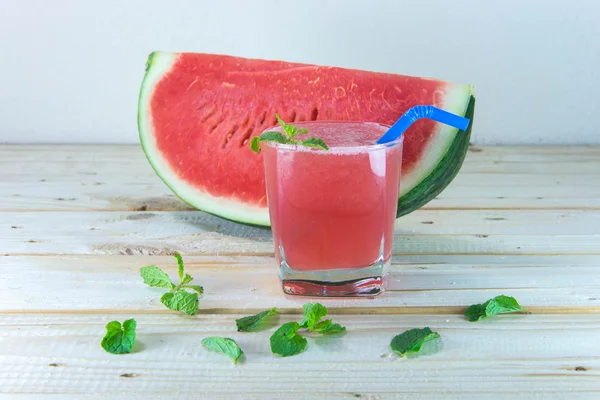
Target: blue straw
{"type": "Point", "coordinates": [418, 112]}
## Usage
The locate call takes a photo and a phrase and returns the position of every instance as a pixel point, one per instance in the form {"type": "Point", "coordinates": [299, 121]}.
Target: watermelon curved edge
{"type": "Point", "coordinates": [157, 66]}
{"type": "Point", "coordinates": [423, 185]}
{"type": "Point", "coordinates": [443, 173]}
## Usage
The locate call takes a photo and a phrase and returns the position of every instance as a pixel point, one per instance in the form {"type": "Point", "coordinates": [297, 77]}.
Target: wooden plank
{"type": "Point", "coordinates": [119, 194]}
{"type": "Point", "coordinates": [510, 355]}
{"type": "Point", "coordinates": [422, 232]}
{"type": "Point", "coordinates": [104, 284]}
{"type": "Point", "coordinates": [149, 193]}
{"type": "Point", "coordinates": [422, 222]}
{"type": "Point", "coordinates": [535, 237]}
{"type": "Point", "coordinates": [69, 178]}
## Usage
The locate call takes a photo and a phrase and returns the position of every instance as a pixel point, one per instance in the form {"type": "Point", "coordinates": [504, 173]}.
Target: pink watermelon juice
{"type": "Point", "coordinates": [333, 211]}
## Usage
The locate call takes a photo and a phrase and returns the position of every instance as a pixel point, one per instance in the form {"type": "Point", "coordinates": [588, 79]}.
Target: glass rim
{"type": "Point", "coordinates": [338, 149]}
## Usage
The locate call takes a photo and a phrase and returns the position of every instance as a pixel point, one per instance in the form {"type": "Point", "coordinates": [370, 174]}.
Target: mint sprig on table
{"type": "Point", "coordinates": [253, 322]}
{"type": "Point", "coordinates": [412, 340]}
{"type": "Point", "coordinates": [119, 339]}
{"type": "Point", "coordinates": [313, 312]}
{"type": "Point", "coordinates": [286, 341]}
{"type": "Point", "coordinates": [225, 346]}
{"type": "Point", "coordinates": [181, 297]}
{"type": "Point", "coordinates": [498, 305]}
{"type": "Point", "coordinates": [289, 135]}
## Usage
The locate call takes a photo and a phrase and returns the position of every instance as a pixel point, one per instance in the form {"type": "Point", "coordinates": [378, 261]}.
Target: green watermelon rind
{"type": "Point", "coordinates": [418, 188]}
{"type": "Point", "coordinates": [445, 171]}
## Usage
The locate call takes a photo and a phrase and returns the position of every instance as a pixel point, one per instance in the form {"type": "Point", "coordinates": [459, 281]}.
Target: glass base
{"type": "Point", "coordinates": [360, 282]}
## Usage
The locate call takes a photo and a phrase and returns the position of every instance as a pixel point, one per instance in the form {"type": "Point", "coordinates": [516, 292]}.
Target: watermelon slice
{"type": "Point", "coordinates": [197, 113]}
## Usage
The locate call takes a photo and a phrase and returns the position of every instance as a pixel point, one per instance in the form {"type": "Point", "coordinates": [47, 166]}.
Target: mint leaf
{"type": "Point", "coordinates": [181, 301]}
{"type": "Point", "coordinates": [280, 121]}
{"type": "Point", "coordinates": [180, 267]}
{"type": "Point", "coordinates": [186, 279]}
{"type": "Point", "coordinates": [255, 144]}
{"type": "Point", "coordinates": [225, 346]}
{"type": "Point", "coordinates": [266, 137]}
{"type": "Point", "coordinates": [177, 299]}
{"type": "Point", "coordinates": [475, 312]}
{"type": "Point", "coordinates": [250, 323]}
{"type": "Point", "coordinates": [313, 312]}
{"type": "Point", "coordinates": [301, 132]}
{"type": "Point", "coordinates": [498, 305]}
{"type": "Point", "coordinates": [119, 340]}
{"type": "Point", "coordinates": [183, 279]}
{"type": "Point", "coordinates": [327, 327]}
{"type": "Point", "coordinates": [196, 288]}
{"type": "Point", "coordinates": [155, 277]}
{"type": "Point", "coordinates": [289, 130]}
{"type": "Point", "coordinates": [315, 142]}
{"type": "Point", "coordinates": [286, 342]}
{"type": "Point", "coordinates": [273, 137]}
{"type": "Point", "coordinates": [412, 340]}
{"type": "Point", "coordinates": [502, 305]}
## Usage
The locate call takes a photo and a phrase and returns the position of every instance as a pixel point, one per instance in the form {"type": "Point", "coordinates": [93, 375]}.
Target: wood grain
{"type": "Point", "coordinates": [514, 354]}
{"type": "Point", "coordinates": [249, 284]}
{"type": "Point", "coordinates": [77, 223]}
{"type": "Point", "coordinates": [82, 178]}
{"type": "Point", "coordinates": [422, 232]}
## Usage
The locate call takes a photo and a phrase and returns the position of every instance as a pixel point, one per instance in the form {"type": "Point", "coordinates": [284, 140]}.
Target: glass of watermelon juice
{"type": "Point", "coordinates": [333, 211]}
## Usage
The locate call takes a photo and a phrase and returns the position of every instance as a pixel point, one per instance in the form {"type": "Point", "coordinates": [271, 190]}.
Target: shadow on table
{"type": "Point", "coordinates": [209, 223]}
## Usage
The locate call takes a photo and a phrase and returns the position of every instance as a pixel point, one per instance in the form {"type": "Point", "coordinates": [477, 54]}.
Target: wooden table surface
{"type": "Point", "coordinates": [78, 222]}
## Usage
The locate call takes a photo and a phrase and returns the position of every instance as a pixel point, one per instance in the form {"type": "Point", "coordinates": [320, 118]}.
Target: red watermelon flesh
{"type": "Point", "coordinates": [197, 113]}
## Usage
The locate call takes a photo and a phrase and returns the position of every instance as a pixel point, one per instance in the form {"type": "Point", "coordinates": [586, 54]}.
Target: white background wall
{"type": "Point", "coordinates": [70, 70]}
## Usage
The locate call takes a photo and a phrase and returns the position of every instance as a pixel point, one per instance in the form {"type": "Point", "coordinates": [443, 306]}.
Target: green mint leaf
{"type": "Point", "coordinates": [412, 340]}
{"type": "Point", "coordinates": [498, 305]}
{"type": "Point", "coordinates": [280, 121]}
{"type": "Point", "coordinates": [186, 279]}
{"type": "Point", "coordinates": [177, 299]}
{"type": "Point", "coordinates": [273, 137]}
{"type": "Point", "coordinates": [155, 277]}
{"type": "Point", "coordinates": [250, 323]}
{"type": "Point", "coordinates": [286, 342]}
{"type": "Point", "coordinates": [288, 129]}
{"type": "Point", "coordinates": [223, 345]}
{"type": "Point", "coordinates": [502, 305]}
{"type": "Point", "coordinates": [475, 312]}
{"type": "Point", "coordinates": [119, 340]}
{"type": "Point", "coordinates": [266, 137]}
{"type": "Point", "coordinates": [315, 142]}
{"type": "Point", "coordinates": [255, 144]}
{"type": "Point", "coordinates": [196, 288]}
{"type": "Point", "coordinates": [181, 301]}
{"type": "Point", "coordinates": [313, 312]}
{"type": "Point", "coordinates": [292, 131]}
{"type": "Point", "coordinates": [327, 327]}
{"type": "Point", "coordinates": [180, 267]}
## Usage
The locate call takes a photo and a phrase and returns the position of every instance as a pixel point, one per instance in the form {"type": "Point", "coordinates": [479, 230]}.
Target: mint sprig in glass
{"type": "Point", "coordinates": [289, 136]}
